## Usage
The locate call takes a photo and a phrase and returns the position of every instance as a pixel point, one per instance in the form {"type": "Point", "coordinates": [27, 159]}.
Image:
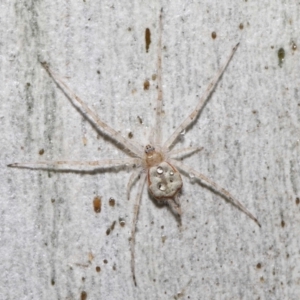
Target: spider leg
{"type": "Point", "coordinates": [91, 116]}
{"type": "Point", "coordinates": [77, 165]}
{"type": "Point", "coordinates": [182, 153]}
{"type": "Point", "coordinates": [209, 183]}
{"type": "Point", "coordinates": [158, 111]}
{"type": "Point", "coordinates": [191, 118]}
{"type": "Point", "coordinates": [133, 177]}
{"type": "Point", "coordinates": [135, 216]}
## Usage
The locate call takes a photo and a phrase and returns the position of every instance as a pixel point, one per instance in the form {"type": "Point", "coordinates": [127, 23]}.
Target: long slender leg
{"type": "Point", "coordinates": [190, 119]}
{"type": "Point", "coordinates": [158, 111]}
{"type": "Point", "coordinates": [77, 165]}
{"type": "Point", "coordinates": [133, 177]}
{"type": "Point", "coordinates": [209, 183]}
{"type": "Point", "coordinates": [184, 152]}
{"type": "Point", "coordinates": [103, 127]}
{"type": "Point", "coordinates": [135, 216]}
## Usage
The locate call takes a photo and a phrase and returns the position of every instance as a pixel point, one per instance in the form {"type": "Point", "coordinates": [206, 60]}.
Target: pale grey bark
{"type": "Point", "coordinates": [52, 240]}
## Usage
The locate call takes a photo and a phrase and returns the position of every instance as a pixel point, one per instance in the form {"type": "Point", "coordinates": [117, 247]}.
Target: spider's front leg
{"type": "Point", "coordinates": [194, 114]}
{"type": "Point", "coordinates": [135, 149]}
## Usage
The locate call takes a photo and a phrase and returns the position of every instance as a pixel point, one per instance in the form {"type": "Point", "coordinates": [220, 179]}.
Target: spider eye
{"type": "Point", "coordinates": [149, 148]}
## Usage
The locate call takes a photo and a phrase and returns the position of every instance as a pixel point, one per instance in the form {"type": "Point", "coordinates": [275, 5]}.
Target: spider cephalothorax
{"type": "Point", "coordinates": [152, 157]}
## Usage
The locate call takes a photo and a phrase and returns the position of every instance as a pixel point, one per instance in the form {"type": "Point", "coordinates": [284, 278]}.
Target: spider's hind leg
{"type": "Point", "coordinates": [216, 188]}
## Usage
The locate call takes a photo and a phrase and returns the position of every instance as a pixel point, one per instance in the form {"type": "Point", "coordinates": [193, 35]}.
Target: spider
{"type": "Point", "coordinates": [156, 163]}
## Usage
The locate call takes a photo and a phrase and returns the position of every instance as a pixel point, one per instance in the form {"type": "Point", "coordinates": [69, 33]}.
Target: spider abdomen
{"type": "Point", "coordinates": [164, 181]}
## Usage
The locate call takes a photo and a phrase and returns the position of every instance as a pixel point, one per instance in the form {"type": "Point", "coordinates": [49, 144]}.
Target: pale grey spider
{"type": "Point", "coordinates": [156, 164]}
